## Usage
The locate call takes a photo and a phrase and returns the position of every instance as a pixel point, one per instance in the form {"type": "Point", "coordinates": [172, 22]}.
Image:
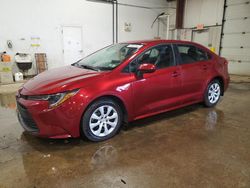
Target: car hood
{"type": "Point", "coordinates": [59, 80]}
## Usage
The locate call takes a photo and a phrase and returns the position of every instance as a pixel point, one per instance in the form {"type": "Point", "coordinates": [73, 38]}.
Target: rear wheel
{"type": "Point", "coordinates": [101, 120]}
{"type": "Point", "coordinates": [213, 93]}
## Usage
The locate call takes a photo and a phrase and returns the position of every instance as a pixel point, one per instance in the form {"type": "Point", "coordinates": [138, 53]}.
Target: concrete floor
{"type": "Point", "coordinates": [190, 147]}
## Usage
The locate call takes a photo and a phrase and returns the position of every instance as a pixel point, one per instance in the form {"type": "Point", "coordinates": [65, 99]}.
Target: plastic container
{"type": "Point", "coordinates": [6, 58]}
{"type": "Point", "coordinates": [18, 76]}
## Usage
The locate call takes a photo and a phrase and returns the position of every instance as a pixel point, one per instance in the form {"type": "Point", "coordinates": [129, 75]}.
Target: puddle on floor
{"type": "Point", "coordinates": [202, 147]}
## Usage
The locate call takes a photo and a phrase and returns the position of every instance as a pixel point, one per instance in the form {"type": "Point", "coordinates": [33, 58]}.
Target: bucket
{"type": "Point", "coordinates": [18, 76]}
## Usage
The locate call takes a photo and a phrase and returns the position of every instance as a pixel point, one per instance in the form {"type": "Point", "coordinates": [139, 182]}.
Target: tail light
{"type": "Point", "coordinates": [225, 62]}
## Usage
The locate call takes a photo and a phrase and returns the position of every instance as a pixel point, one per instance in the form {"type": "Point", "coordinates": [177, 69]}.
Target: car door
{"type": "Point", "coordinates": [194, 72]}
{"type": "Point", "coordinates": [157, 91]}
{"type": "Point", "coordinates": [205, 61]}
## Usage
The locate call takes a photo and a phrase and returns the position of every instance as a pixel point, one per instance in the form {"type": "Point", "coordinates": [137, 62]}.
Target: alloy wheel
{"type": "Point", "coordinates": [214, 93]}
{"type": "Point", "coordinates": [103, 120]}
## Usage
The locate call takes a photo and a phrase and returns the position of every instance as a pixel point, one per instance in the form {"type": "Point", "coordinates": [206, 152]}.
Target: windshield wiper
{"type": "Point", "coordinates": [75, 64]}
{"type": "Point", "coordinates": [89, 67]}
{"type": "Point", "coordinates": [105, 68]}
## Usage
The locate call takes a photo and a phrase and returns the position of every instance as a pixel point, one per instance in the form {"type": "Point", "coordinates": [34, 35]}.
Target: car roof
{"type": "Point", "coordinates": [158, 41]}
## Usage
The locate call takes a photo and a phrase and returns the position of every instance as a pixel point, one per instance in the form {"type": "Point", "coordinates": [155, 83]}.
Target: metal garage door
{"type": "Point", "coordinates": [236, 36]}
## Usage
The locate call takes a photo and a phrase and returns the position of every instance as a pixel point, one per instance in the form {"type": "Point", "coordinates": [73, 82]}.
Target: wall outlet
{"type": "Point", "coordinates": [127, 27]}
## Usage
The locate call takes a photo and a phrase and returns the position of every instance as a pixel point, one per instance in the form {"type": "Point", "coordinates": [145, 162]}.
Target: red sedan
{"type": "Point", "coordinates": [120, 83]}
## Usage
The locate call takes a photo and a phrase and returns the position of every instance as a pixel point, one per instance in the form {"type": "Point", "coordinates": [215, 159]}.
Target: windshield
{"type": "Point", "coordinates": [108, 58]}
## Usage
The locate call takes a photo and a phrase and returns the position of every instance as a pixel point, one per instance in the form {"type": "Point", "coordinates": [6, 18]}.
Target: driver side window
{"type": "Point", "coordinates": [149, 56]}
{"type": "Point", "coordinates": [161, 56]}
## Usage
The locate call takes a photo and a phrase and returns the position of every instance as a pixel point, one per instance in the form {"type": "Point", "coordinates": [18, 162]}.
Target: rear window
{"type": "Point", "coordinates": [203, 55]}
{"type": "Point", "coordinates": [191, 54]}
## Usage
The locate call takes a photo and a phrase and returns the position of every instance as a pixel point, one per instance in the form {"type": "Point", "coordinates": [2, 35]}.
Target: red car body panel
{"type": "Point", "coordinates": [160, 91]}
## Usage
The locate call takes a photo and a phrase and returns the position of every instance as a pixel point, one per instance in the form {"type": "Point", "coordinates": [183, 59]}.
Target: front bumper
{"type": "Point", "coordinates": [60, 122]}
{"type": "Point", "coordinates": [26, 119]}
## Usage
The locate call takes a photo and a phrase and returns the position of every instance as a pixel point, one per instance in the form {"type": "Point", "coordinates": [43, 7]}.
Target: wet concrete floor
{"type": "Point", "coordinates": [190, 147]}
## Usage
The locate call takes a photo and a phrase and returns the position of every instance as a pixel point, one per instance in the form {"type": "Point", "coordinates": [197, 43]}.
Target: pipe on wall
{"type": "Point", "coordinates": [180, 6]}
{"type": "Point", "coordinates": [113, 23]}
{"type": "Point", "coordinates": [115, 4]}
{"type": "Point", "coordinates": [222, 28]}
{"type": "Point", "coordinates": [114, 17]}
{"type": "Point", "coordinates": [116, 20]}
{"type": "Point", "coordinates": [132, 5]}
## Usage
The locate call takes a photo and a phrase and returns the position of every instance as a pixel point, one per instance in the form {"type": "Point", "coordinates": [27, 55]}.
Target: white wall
{"type": "Point", "coordinates": [171, 11]}
{"type": "Point", "coordinates": [22, 19]}
{"type": "Point", "coordinates": [210, 13]}
{"type": "Point", "coordinates": [207, 12]}
{"type": "Point", "coordinates": [141, 21]}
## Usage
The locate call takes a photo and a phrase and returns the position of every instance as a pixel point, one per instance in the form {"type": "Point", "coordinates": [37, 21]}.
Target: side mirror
{"type": "Point", "coordinates": [146, 68]}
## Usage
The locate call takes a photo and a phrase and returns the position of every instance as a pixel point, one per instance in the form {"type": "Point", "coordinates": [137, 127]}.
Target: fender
{"type": "Point", "coordinates": [212, 78]}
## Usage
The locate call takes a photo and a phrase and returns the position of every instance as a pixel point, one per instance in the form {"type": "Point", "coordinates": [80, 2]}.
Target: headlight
{"type": "Point", "coordinates": [54, 99]}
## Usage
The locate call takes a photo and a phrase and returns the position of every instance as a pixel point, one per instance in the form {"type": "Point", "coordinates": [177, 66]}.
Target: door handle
{"type": "Point", "coordinates": [175, 74]}
{"type": "Point", "coordinates": [204, 67]}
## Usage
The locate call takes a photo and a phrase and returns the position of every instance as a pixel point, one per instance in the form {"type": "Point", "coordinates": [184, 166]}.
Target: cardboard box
{"type": "Point", "coordinates": [41, 57]}
{"type": "Point", "coordinates": [41, 62]}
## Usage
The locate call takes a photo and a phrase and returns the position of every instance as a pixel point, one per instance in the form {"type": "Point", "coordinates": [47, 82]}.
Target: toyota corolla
{"type": "Point", "coordinates": [119, 84]}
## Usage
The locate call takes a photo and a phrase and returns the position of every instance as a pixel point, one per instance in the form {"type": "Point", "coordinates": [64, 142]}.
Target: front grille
{"type": "Point", "coordinates": [26, 119]}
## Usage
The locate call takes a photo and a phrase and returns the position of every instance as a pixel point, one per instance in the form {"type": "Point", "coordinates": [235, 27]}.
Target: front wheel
{"type": "Point", "coordinates": [101, 120]}
{"type": "Point", "coordinates": [213, 93]}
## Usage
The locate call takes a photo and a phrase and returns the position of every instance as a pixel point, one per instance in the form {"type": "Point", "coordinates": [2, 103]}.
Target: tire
{"type": "Point", "coordinates": [212, 93]}
{"type": "Point", "coordinates": [102, 120]}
